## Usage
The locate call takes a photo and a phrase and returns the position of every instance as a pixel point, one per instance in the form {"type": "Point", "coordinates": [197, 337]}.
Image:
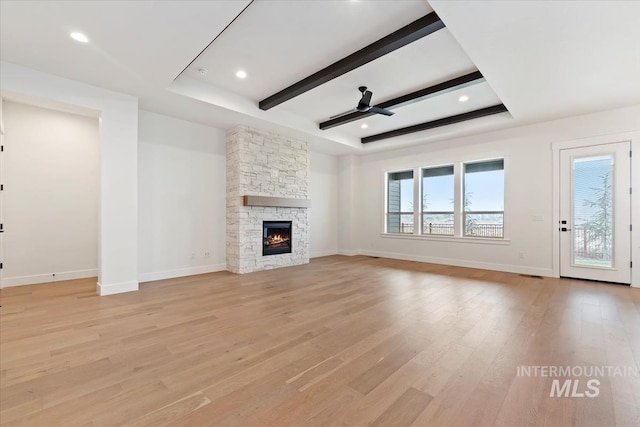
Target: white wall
{"type": "Point", "coordinates": [528, 164]}
{"type": "Point", "coordinates": [181, 197]}
{"type": "Point", "coordinates": [181, 188]}
{"type": "Point", "coordinates": [324, 205]}
{"type": "Point", "coordinates": [50, 201]}
{"type": "Point", "coordinates": [348, 207]}
{"type": "Point", "coordinates": [118, 253]}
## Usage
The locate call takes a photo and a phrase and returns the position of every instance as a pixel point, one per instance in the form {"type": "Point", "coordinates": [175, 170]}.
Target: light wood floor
{"type": "Point", "coordinates": [341, 341]}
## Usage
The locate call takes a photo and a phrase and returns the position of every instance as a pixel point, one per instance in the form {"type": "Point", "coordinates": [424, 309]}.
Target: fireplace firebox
{"type": "Point", "coordinates": [276, 237]}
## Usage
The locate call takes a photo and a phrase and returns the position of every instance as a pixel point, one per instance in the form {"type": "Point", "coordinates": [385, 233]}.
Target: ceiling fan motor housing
{"type": "Point", "coordinates": [364, 103]}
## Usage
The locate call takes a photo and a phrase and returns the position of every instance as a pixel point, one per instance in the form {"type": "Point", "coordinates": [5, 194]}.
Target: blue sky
{"type": "Point", "coordinates": [487, 190]}
{"type": "Point", "coordinates": [439, 193]}
{"type": "Point", "coordinates": [406, 195]}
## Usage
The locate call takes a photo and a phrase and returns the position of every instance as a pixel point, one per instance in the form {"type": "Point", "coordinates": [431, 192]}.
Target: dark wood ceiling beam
{"type": "Point", "coordinates": [416, 30]}
{"type": "Point", "coordinates": [410, 98]}
{"type": "Point", "coordinates": [495, 109]}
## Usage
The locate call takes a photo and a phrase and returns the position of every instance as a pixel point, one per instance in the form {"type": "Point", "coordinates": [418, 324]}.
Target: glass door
{"type": "Point", "coordinates": [595, 213]}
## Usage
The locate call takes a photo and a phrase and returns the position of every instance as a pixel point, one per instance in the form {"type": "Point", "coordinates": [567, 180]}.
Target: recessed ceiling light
{"type": "Point", "coordinates": [79, 37]}
{"type": "Point", "coordinates": [463, 98]}
{"type": "Point", "coordinates": [364, 126]}
{"type": "Point", "coordinates": [203, 71]}
{"type": "Point", "coordinates": [241, 74]}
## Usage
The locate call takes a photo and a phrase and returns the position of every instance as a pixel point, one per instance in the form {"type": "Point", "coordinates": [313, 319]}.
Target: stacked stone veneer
{"type": "Point", "coordinates": [261, 163]}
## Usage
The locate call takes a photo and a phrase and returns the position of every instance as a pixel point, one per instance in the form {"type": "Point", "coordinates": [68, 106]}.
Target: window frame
{"type": "Point", "coordinates": [459, 213]}
{"type": "Point", "coordinates": [464, 212]}
{"type": "Point", "coordinates": [386, 202]}
{"type": "Point", "coordinates": [422, 212]}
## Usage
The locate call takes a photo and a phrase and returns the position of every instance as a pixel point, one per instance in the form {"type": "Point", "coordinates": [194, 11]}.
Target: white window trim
{"type": "Point", "coordinates": [417, 201]}
{"type": "Point", "coordinates": [458, 231]}
{"type": "Point", "coordinates": [460, 239]}
{"type": "Point", "coordinates": [458, 191]}
{"type": "Point", "coordinates": [385, 214]}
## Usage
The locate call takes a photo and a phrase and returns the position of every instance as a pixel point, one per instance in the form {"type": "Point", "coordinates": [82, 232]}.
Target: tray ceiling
{"type": "Point", "coordinates": [543, 60]}
{"type": "Point", "coordinates": [286, 46]}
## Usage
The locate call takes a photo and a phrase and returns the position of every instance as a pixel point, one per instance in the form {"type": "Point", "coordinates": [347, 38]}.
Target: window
{"type": "Point", "coordinates": [455, 200]}
{"type": "Point", "coordinates": [438, 200]}
{"type": "Point", "coordinates": [483, 203]}
{"type": "Point", "coordinates": [400, 202]}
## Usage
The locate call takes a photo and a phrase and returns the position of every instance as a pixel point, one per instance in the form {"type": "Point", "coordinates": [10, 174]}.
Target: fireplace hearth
{"type": "Point", "coordinates": [276, 237]}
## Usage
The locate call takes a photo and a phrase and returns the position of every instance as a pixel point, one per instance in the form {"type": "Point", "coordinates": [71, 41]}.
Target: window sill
{"type": "Point", "coordinates": [477, 240]}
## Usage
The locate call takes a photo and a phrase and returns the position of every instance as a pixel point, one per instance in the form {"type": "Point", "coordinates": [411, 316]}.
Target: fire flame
{"type": "Point", "coordinates": [276, 239]}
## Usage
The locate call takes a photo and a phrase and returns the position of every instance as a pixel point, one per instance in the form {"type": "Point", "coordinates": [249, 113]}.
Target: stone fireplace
{"type": "Point", "coordinates": [267, 200]}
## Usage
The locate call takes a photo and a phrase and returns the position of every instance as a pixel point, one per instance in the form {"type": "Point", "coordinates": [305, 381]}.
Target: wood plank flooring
{"type": "Point", "coordinates": [343, 341]}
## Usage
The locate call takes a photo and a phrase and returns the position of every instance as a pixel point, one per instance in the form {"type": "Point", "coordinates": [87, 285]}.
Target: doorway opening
{"type": "Point", "coordinates": [49, 205]}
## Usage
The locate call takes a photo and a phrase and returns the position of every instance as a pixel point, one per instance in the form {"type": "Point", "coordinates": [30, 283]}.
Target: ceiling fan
{"type": "Point", "coordinates": [364, 105]}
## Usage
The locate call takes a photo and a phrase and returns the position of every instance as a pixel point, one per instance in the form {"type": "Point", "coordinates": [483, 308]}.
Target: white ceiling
{"type": "Point", "coordinates": [421, 64]}
{"type": "Point", "coordinates": [281, 42]}
{"type": "Point", "coordinates": [134, 45]}
{"type": "Point", "coordinates": [552, 59]}
{"type": "Point", "coordinates": [542, 59]}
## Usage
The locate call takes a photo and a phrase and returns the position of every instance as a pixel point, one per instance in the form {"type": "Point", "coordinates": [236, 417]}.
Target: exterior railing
{"type": "Point", "coordinates": [589, 245]}
{"type": "Point", "coordinates": [479, 230]}
{"type": "Point", "coordinates": [406, 228]}
{"type": "Point", "coordinates": [441, 229]}
{"type": "Point", "coordinates": [486, 230]}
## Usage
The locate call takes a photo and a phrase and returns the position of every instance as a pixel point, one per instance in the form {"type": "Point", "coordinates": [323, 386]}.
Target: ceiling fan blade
{"type": "Point", "coordinates": [364, 105]}
{"type": "Point", "coordinates": [353, 110]}
{"type": "Point", "coordinates": [378, 110]}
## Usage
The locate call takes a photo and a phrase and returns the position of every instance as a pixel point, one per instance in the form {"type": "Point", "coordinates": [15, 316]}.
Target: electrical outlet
{"type": "Point", "coordinates": [193, 255]}
{"type": "Point", "coordinates": [207, 254]}
{"type": "Point", "coordinates": [521, 255]}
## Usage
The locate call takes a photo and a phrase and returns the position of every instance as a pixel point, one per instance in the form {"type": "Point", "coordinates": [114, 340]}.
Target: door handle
{"type": "Point", "coordinates": [565, 229]}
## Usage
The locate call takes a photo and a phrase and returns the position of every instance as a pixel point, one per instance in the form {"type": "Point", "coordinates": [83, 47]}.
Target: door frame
{"type": "Point", "coordinates": [634, 138]}
{"type": "Point", "coordinates": [618, 166]}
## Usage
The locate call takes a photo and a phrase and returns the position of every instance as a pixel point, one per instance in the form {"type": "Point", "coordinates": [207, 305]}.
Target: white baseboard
{"type": "Point", "coordinates": [318, 254]}
{"type": "Point", "coordinates": [45, 278]}
{"type": "Point", "coordinates": [348, 253]}
{"type": "Point", "coordinates": [116, 288]}
{"type": "Point", "coordinates": [181, 272]}
{"type": "Point", "coordinates": [508, 268]}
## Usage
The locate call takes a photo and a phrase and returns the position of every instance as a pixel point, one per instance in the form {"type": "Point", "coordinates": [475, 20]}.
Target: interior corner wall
{"type": "Point", "coordinates": [118, 237]}
{"type": "Point", "coordinates": [528, 192]}
{"type": "Point", "coordinates": [181, 187]}
{"type": "Point", "coordinates": [349, 210]}
{"type": "Point", "coordinates": [50, 197]}
{"type": "Point", "coordinates": [323, 214]}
